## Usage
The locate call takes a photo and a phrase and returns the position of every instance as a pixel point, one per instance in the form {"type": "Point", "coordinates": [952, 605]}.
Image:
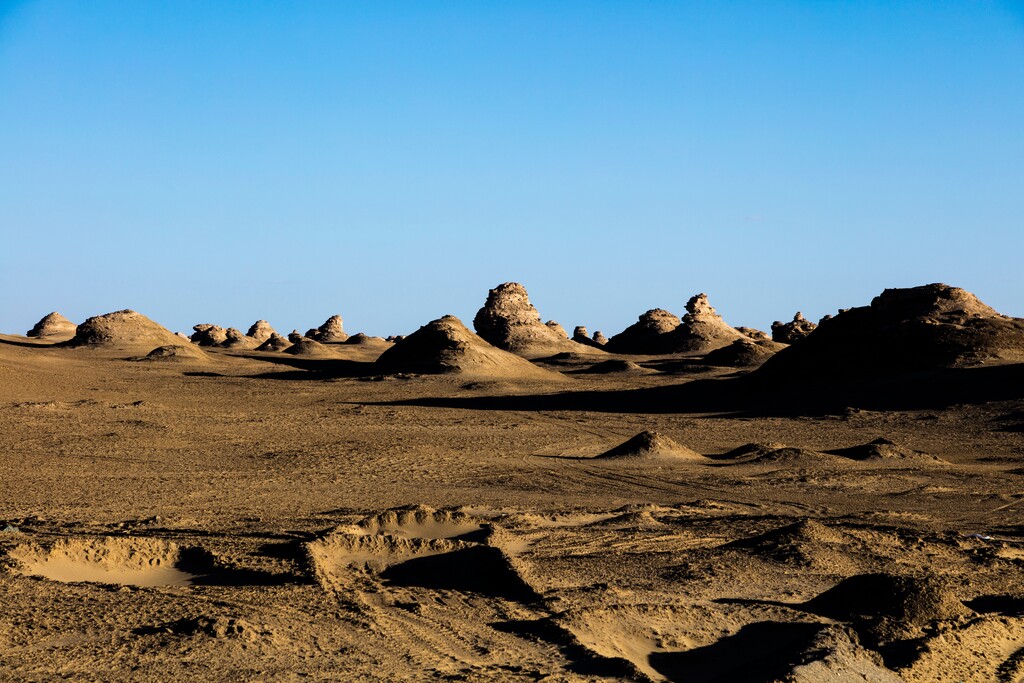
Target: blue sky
{"type": "Point", "coordinates": [391, 161]}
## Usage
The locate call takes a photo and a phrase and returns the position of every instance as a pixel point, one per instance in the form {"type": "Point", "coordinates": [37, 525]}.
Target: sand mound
{"type": "Point", "coordinates": [234, 339]}
{"type": "Point", "coordinates": [261, 331]}
{"type": "Point", "coordinates": [615, 366]}
{"type": "Point", "coordinates": [742, 353]}
{"type": "Point", "coordinates": [805, 542]}
{"type": "Point", "coordinates": [420, 521]}
{"type": "Point", "coordinates": [649, 335]}
{"type": "Point", "coordinates": [129, 561]}
{"type": "Point", "coordinates": [794, 331]}
{"type": "Point", "coordinates": [308, 347]}
{"type": "Point", "coordinates": [330, 332]}
{"type": "Point", "coordinates": [274, 342]}
{"type": "Point", "coordinates": [883, 449]}
{"type": "Point", "coordinates": [913, 601]}
{"type": "Point", "coordinates": [652, 445]}
{"type": "Point", "coordinates": [176, 352]}
{"type": "Point", "coordinates": [750, 451]}
{"type": "Point", "coordinates": [509, 321]}
{"type": "Point", "coordinates": [768, 452]}
{"type": "Point", "coordinates": [209, 335]}
{"type": "Point", "coordinates": [53, 325]}
{"type": "Point", "coordinates": [702, 329]}
{"type": "Point", "coordinates": [123, 329]}
{"type": "Point", "coordinates": [446, 346]}
{"type": "Point", "coordinates": [921, 328]}
{"type": "Point", "coordinates": [361, 339]}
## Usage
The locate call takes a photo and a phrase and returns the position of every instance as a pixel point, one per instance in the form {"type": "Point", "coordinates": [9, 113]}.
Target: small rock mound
{"type": "Point", "coordinates": [615, 365]}
{"type": "Point", "coordinates": [446, 346]}
{"type": "Point", "coordinates": [742, 353]}
{"type": "Point", "coordinates": [123, 329]}
{"type": "Point", "coordinates": [295, 336]}
{"type": "Point", "coordinates": [794, 331]}
{"type": "Point", "coordinates": [793, 541]}
{"type": "Point", "coordinates": [702, 329]}
{"type": "Point", "coordinates": [651, 334]}
{"type": "Point", "coordinates": [209, 335]}
{"type": "Point", "coordinates": [649, 444]}
{"type": "Point", "coordinates": [754, 333]}
{"type": "Point", "coordinates": [509, 321]}
{"type": "Point", "coordinates": [580, 336]}
{"type": "Point", "coordinates": [751, 451]}
{"type": "Point", "coordinates": [274, 342]}
{"type": "Point", "coordinates": [234, 339]}
{"type": "Point", "coordinates": [557, 329]}
{"type": "Point", "coordinates": [330, 332]}
{"type": "Point", "coordinates": [176, 352]}
{"type": "Point", "coordinates": [261, 331]}
{"type": "Point", "coordinates": [600, 339]}
{"type": "Point", "coordinates": [361, 339]}
{"type": "Point", "coordinates": [53, 325]}
{"type": "Point", "coordinates": [308, 347]}
{"type": "Point", "coordinates": [883, 449]}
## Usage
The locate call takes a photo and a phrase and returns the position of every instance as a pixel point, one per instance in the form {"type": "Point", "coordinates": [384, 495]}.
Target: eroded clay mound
{"type": "Point", "coordinates": [446, 346]}
{"type": "Point", "coordinates": [742, 353]}
{"type": "Point", "coordinates": [510, 322]}
{"type": "Point", "coordinates": [206, 334]}
{"type": "Point", "coordinates": [176, 353]}
{"type": "Point", "coordinates": [920, 328]}
{"type": "Point", "coordinates": [330, 332]}
{"type": "Point", "coordinates": [652, 445]}
{"type": "Point", "coordinates": [53, 325]}
{"type": "Point", "coordinates": [308, 347]}
{"type": "Point", "coordinates": [884, 449]}
{"type": "Point", "coordinates": [234, 339]}
{"type": "Point", "coordinates": [648, 335]}
{"type": "Point", "coordinates": [361, 339]}
{"type": "Point", "coordinates": [261, 331]}
{"type": "Point", "coordinates": [123, 329]}
{"type": "Point", "coordinates": [793, 331]}
{"type": "Point", "coordinates": [274, 342]}
{"type": "Point", "coordinates": [702, 329]}
{"type": "Point", "coordinates": [617, 366]}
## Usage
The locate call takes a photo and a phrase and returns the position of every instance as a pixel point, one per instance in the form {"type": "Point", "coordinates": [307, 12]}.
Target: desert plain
{"type": "Point", "coordinates": [497, 499]}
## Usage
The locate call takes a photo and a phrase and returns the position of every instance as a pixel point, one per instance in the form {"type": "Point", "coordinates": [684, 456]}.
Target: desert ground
{"type": "Point", "coordinates": [516, 504]}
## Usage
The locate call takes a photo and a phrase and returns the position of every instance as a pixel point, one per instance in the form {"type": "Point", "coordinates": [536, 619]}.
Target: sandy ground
{"type": "Point", "coordinates": [255, 516]}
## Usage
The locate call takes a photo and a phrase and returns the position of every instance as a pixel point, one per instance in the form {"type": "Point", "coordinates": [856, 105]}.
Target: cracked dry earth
{"type": "Point", "coordinates": [246, 519]}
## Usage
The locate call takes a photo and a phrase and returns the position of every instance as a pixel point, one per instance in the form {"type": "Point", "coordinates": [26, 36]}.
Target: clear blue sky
{"type": "Point", "coordinates": [391, 161]}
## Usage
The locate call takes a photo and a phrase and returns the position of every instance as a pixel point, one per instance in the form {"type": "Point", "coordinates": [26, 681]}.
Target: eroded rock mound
{"type": "Point", "coordinates": [274, 342]}
{"type": "Point", "coordinates": [123, 329]}
{"type": "Point", "coordinates": [308, 347]}
{"type": "Point", "coordinates": [53, 325]}
{"type": "Point", "coordinates": [234, 339]}
{"type": "Point", "coordinates": [754, 333]}
{"type": "Point", "coordinates": [742, 353]}
{"type": "Point", "coordinates": [330, 332]}
{"type": "Point", "coordinates": [177, 352]}
{"type": "Point", "coordinates": [793, 331]}
{"type": "Point", "coordinates": [600, 339]}
{"type": "Point", "coordinates": [649, 444]}
{"type": "Point", "coordinates": [295, 336]}
{"type": "Point", "coordinates": [921, 328]}
{"type": "Point", "coordinates": [884, 449]}
{"type": "Point", "coordinates": [616, 366]}
{"type": "Point", "coordinates": [557, 329]}
{"type": "Point", "coordinates": [261, 331]}
{"type": "Point", "coordinates": [651, 334]}
{"type": "Point", "coordinates": [509, 321]}
{"type": "Point", "coordinates": [209, 335]}
{"type": "Point", "coordinates": [702, 329]}
{"type": "Point", "coordinates": [446, 346]}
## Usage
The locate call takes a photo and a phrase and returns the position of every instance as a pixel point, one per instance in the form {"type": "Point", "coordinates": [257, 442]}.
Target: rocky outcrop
{"type": "Point", "coordinates": [651, 334]}
{"type": "Point", "coordinates": [125, 329]}
{"type": "Point", "coordinates": [53, 325]}
{"type": "Point", "coordinates": [330, 332]}
{"type": "Point", "coordinates": [295, 336]}
{"type": "Point", "coordinates": [260, 331]}
{"type": "Point", "coordinates": [902, 330]}
{"type": "Point", "coordinates": [702, 329]}
{"type": "Point", "coordinates": [509, 321]}
{"type": "Point", "coordinates": [209, 335]}
{"type": "Point", "coordinates": [794, 331]}
{"type": "Point", "coordinates": [446, 346]}
{"type": "Point", "coordinates": [742, 353]}
{"type": "Point", "coordinates": [234, 339]}
{"type": "Point", "coordinates": [274, 342]}
{"type": "Point", "coordinates": [557, 329]}
{"type": "Point", "coordinates": [600, 339]}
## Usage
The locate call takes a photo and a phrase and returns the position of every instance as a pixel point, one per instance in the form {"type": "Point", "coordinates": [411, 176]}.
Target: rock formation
{"type": "Point", "coordinates": [558, 329]}
{"type": "Point", "coordinates": [791, 332]}
{"type": "Point", "coordinates": [261, 331]}
{"type": "Point", "coordinates": [509, 321]}
{"type": "Point", "coordinates": [209, 335]}
{"type": "Point", "coordinates": [309, 347]}
{"type": "Point", "coordinates": [274, 342]}
{"type": "Point", "coordinates": [702, 329]}
{"type": "Point", "coordinates": [651, 334]}
{"type": "Point", "coordinates": [754, 333]}
{"type": "Point", "coordinates": [123, 329]}
{"type": "Point", "coordinates": [652, 445]}
{"type": "Point", "coordinates": [295, 336]}
{"type": "Point", "coordinates": [53, 325]}
{"type": "Point", "coordinates": [446, 346]}
{"type": "Point", "coordinates": [234, 339]}
{"type": "Point", "coordinates": [580, 336]}
{"type": "Point", "coordinates": [600, 339]}
{"type": "Point", "coordinates": [902, 330]}
{"type": "Point", "coordinates": [742, 353]}
{"type": "Point", "coordinates": [330, 332]}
